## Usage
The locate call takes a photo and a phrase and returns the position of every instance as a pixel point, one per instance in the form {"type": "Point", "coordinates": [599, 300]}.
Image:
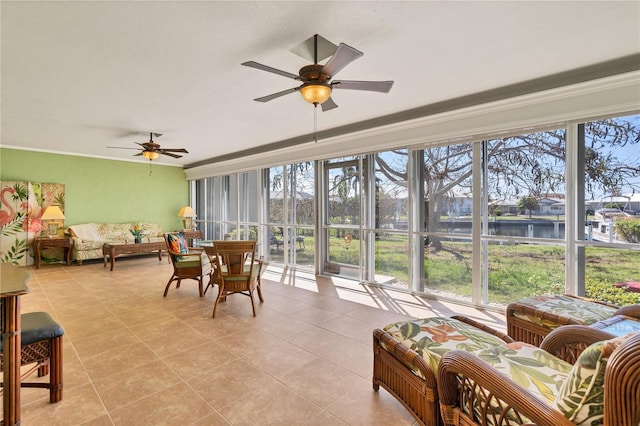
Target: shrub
{"type": "Point", "coordinates": [628, 229]}
{"type": "Point", "coordinates": [606, 292]}
{"type": "Point", "coordinates": [252, 234]}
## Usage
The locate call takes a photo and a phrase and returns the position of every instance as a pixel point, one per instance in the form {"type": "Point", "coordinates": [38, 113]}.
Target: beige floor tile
{"type": "Point", "coordinates": [362, 406]}
{"type": "Point", "coordinates": [350, 327]}
{"type": "Point", "coordinates": [99, 421]}
{"type": "Point", "coordinates": [270, 403]}
{"type": "Point", "coordinates": [194, 361]}
{"type": "Point", "coordinates": [118, 359]}
{"type": "Point", "coordinates": [234, 381]}
{"type": "Point", "coordinates": [318, 341]}
{"type": "Point", "coordinates": [126, 386]}
{"type": "Point", "coordinates": [106, 341]}
{"type": "Point", "coordinates": [320, 381]}
{"type": "Point", "coordinates": [324, 418]}
{"type": "Point", "coordinates": [78, 405]}
{"type": "Point", "coordinates": [133, 357]}
{"type": "Point", "coordinates": [177, 405]}
{"type": "Point", "coordinates": [354, 356]}
{"type": "Point", "coordinates": [88, 328]}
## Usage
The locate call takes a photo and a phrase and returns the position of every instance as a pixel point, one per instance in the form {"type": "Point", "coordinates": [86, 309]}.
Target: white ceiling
{"type": "Point", "coordinates": [80, 76]}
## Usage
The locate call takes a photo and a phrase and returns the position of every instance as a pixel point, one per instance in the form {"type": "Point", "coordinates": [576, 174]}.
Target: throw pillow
{"type": "Point", "coordinates": [581, 398]}
{"type": "Point", "coordinates": [177, 243]}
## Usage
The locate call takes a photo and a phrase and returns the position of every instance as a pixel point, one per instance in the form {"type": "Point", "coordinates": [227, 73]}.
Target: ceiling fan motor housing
{"type": "Point", "coordinates": [313, 73]}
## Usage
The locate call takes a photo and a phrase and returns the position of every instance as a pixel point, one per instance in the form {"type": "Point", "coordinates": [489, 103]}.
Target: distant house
{"type": "Point", "coordinates": [547, 206]}
{"type": "Point", "coordinates": [551, 206]}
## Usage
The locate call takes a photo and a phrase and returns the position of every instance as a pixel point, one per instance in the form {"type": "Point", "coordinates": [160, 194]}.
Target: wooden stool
{"type": "Point", "coordinates": [41, 343]}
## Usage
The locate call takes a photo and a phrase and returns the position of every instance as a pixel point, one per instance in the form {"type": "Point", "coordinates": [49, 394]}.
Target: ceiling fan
{"type": "Point", "coordinates": [317, 83]}
{"type": "Point", "coordinates": [152, 150]}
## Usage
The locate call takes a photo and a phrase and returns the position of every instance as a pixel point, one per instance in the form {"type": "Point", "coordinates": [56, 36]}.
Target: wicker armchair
{"type": "Point", "coordinates": [188, 263]}
{"type": "Point", "coordinates": [602, 387]}
{"type": "Point", "coordinates": [406, 356]}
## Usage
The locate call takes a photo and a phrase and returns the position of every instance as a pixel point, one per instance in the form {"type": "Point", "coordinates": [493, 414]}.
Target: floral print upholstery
{"type": "Point", "coordinates": [534, 369]}
{"type": "Point", "coordinates": [433, 337]}
{"type": "Point", "coordinates": [580, 311]}
{"type": "Point", "coordinates": [92, 236]}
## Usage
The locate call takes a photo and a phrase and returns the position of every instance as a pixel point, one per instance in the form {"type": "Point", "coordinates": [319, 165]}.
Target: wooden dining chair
{"type": "Point", "coordinates": [238, 270]}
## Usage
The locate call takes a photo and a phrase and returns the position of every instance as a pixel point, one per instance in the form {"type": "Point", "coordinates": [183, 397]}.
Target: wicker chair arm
{"type": "Point", "coordinates": [503, 388]}
{"type": "Point", "coordinates": [408, 356]}
{"type": "Point", "coordinates": [630, 311]}
{"type": "Point", "coordinates": [621, 407]}
{"type": "Point", "coordinates": [483, 327]}
{"type": "Point", "coordinates": [572, 338]}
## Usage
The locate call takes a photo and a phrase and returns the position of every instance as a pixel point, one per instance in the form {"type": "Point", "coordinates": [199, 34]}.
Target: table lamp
{"type": "Point", "coordinates": [52, 214]}
{"type": "Point", "coordinates": [187, 213]}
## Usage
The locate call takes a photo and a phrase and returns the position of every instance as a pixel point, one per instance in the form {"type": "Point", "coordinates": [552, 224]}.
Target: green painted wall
{"type": "Point", "coordinates": [104, 191]}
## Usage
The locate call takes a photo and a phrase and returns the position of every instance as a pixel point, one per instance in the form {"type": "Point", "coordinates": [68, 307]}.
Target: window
{"type": "Point", "coordinates": [550, 210]}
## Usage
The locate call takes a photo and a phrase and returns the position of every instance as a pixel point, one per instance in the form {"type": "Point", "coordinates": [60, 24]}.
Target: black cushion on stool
{"type": "Point", "coordinates": [36, 327]}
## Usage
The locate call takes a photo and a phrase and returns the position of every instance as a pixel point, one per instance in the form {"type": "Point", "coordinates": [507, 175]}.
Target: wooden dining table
{"type": "Point", "coordinates": [13, 284]}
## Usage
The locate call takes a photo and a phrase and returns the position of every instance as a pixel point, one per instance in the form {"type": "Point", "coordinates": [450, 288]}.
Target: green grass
{"type": "Point", "coordinates": [515, 270]}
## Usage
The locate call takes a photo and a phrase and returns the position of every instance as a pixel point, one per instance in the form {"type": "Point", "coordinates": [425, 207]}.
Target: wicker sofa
{"type": "Point", "coordinates": [524, 384]}
{"type": "Point", "coordinates": [88, 238]}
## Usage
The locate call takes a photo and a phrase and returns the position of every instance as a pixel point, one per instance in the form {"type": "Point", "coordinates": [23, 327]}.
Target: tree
{"type": "Point", "coordinates": [532, 164]}
{"type": "Point", "coordinates": [528, 203]}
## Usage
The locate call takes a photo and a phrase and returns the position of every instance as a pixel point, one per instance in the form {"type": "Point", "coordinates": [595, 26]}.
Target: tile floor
{"type": "Point", "coordinates": [132, 357]}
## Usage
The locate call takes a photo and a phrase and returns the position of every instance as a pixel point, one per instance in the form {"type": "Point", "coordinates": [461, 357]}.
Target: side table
{"type": "Point", "coordinates": [192, 235]}
{"type": "Point", "coordinates": [41, 243]}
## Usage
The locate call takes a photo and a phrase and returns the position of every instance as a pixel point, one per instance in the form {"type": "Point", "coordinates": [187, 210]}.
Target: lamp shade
{"type": "Point", "coordinates": [150, 155]}
{"type": "Point", "coordinates": [187, 211]}
{"type": "Point", "coordinates": [315, 92]}
{"type": "Point", "coordinates": [52, 213]}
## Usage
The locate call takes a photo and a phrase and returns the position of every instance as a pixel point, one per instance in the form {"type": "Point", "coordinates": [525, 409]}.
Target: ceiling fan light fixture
{"type": "Point", "coordinates": [315, 92]}
{"type": "Point", "coordinates": [150, 155]}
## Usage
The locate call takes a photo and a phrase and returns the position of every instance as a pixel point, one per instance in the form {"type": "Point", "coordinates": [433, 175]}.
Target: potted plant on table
{"type": "Point", "coordinates": [137, 233]}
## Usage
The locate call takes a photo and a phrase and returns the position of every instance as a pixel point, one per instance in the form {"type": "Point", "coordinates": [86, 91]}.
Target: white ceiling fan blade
{"type": "Point", "coordinates": [253, 64]}
{"type": "Point", "coordinates": [328, 105]}
{"type": "Point", "coordinates": [371, 86]}
{"type": "Point", "coordinates": [275, 95]}
{"type": "Point", "coordinates": [344, 56]}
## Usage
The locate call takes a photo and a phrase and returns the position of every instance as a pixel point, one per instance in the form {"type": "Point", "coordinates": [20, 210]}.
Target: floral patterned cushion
{"type": "Point", "coordinates": [581, 399]}
{"type": "Point", "coordinates": [581, 311]}
{"type": "Point", "coordinates": [433, 337]}
{"type": "Point", "coordinates": [534, 369]}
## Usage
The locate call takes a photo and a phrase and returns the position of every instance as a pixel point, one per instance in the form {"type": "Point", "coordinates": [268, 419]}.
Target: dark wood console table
{"type": "Point", "coordinates": [14, 284]}
{"type": "Point", "coordinates": [115, 250]}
